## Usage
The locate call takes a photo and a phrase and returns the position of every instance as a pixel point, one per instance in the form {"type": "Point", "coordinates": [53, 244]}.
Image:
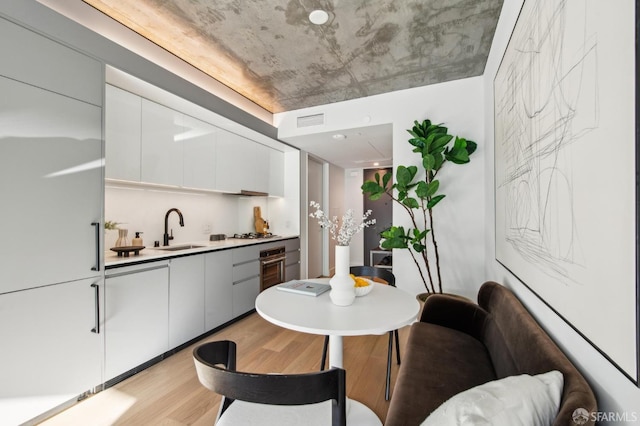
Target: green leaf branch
{"type": "Point", "coordinates": [418, 197]}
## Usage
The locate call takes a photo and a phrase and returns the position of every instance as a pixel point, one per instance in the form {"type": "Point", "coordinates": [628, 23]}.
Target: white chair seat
{"type": "Point", "coordinates": [242, 413]}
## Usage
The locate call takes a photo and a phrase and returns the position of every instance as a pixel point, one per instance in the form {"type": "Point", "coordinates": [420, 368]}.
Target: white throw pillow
{"type": "Point", "coordinates": [512, 401]}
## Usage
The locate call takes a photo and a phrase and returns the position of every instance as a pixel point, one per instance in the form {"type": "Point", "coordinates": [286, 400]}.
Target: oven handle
{"type": "Point", "coordinates": [277, 260]}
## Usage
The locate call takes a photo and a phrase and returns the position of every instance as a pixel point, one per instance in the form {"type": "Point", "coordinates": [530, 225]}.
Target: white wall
{"type": "Point", "coordinates": [615, 393]}
{"type": "Point", "coordinates": [336, 206]}
{"type": "Point", "coordinates": [353, 200]}
{"type": "Point", "coordinates": [143, 209]}
{"type": "Point", "coordinates": [460, 218]}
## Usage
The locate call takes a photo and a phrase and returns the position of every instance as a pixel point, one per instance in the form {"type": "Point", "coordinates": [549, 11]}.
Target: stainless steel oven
{"type": "Point", "coordinates": [272, 263]}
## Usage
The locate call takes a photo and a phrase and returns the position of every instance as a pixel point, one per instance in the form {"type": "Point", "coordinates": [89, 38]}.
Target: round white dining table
{"type": "Point", "coordinates": [384, 309]}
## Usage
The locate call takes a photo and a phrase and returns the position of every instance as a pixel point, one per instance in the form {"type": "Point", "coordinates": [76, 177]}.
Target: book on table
{"type": "Point", "coordinates": [304, 287]}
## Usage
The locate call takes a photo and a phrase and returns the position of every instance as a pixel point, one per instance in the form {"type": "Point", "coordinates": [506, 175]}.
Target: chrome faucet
{"type": "Point", "coordinates": [166, 237]}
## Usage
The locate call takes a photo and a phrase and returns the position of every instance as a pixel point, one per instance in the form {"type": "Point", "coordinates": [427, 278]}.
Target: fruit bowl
{"type": "Point", "coordinates": [364, 290]}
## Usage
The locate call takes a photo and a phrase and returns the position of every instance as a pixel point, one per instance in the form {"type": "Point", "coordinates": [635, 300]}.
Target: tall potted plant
{"type": "Point", "coordinates": [418, 194]}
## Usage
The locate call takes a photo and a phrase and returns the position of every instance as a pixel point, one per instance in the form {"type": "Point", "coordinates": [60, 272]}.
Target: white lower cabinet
{"type": "Point", "coordinates": [246, 279]}
{"type": "Point", "coordinates": [186, 299]}
{"type": "Point", "coordinates": [244, 295]}
{"type": "Point", "coordinates": [292, 263]}
{"type": "Point", "coordinates": [218, 293]}
{"type": "Point", "coordinates": [136, 316]}
{"type": "Point", "coordinates": [50, 355]}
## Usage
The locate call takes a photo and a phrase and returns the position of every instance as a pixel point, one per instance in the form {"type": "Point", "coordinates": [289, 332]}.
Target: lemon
{"type": "Point", "coordinates": [361, 282]}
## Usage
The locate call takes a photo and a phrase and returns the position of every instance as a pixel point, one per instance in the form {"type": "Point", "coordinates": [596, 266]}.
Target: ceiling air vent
{"type": "Point", "coordinates": [311, 120]}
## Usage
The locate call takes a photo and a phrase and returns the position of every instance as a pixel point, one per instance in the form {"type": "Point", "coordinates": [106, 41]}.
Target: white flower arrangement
{"type": "Point", "coordinates": [347, 229]}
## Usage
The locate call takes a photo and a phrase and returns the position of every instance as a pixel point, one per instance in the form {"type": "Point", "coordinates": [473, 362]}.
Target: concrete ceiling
{"type": "Point", "coordinates": [269, 51]}
{"type": "Point", "coordinates": [271, 54]}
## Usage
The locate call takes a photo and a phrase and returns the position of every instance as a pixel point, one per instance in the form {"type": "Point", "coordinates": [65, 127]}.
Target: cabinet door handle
{"type": "Point", "coordinates": [97, 229]}
{"type": "Point", "coordinates": [96, 329]}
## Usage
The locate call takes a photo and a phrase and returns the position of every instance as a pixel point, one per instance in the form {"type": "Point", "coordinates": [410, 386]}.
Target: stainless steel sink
{"type": "Point", "coordinates": [180, 247]}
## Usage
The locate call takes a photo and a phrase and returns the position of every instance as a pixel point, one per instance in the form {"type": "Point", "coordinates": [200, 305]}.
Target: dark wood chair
{"type": "Point", "coordinates": [279, 399]}
{"type": "Point", "coordinates": [387, 276]}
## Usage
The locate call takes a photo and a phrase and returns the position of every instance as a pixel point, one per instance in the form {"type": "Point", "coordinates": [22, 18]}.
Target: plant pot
{"type": "Point", "coordinates": [343, 291]}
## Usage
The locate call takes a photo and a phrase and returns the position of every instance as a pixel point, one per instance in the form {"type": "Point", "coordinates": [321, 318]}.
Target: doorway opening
{"type": "Point", "coordinates": [383, 213]}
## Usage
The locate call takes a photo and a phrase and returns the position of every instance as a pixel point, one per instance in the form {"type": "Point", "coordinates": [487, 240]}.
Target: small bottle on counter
{"type": "Point", "coordinates": [137, 241]}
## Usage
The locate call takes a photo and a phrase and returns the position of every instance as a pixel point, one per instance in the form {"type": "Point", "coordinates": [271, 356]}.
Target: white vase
{"type": "Point", "coordinates": [122, 240]}
{"type": "Point", "coordinates": [343, 291]}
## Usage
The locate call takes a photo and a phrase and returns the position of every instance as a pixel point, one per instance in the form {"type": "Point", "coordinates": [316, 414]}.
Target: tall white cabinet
{"type": "Point", "coordinates": [51, 187]}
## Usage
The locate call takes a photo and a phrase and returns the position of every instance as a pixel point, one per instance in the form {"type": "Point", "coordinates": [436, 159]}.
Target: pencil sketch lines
{"type": "Point", "coordinates": [546, 97]}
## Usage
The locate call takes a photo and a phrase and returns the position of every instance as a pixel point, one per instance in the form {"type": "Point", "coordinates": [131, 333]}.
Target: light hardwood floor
{"type": "Point", "coordinates": [169, 392]}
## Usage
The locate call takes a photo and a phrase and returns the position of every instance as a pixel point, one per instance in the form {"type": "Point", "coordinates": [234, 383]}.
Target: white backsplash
{"type": "Point", "coordinates": [143, 209]}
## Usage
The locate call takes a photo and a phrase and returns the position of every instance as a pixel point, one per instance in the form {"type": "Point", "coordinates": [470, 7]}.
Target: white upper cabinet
{"type": "Point", "coordinates": [50, 187]}
{"type": "Point", "coordinates": [199, 148]}
{"type": "Point", "coordinates": [41, 62]}
{"type": "Point", "coordinates": [233, 171]}
{"type": "Point", "coordinates": [259, 159]}
{"type": "Point", "coordinates": [162, 134]}
{"type": "Point", "coordinates": [276, 173]}
{"type": "Point", "coordinates": [242, 164]}
{"type": "Point", "coordinates": [122, 134]}
{"type": "Point", "coordinates": [151, 143]}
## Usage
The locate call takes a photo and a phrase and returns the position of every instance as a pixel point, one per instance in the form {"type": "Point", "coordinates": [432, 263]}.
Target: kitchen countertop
{"type": "Point", "coordinates": [111, 259]}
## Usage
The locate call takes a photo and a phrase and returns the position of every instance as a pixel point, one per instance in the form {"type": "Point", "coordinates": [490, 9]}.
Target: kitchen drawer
{"type": "Point", "coordinates": [246, 270]}
{"type": "Point", "coordinates": [292, 257]}
{"type": "Point", "coordinates": [246, 254]}
{"type": "Point", "coordinates": [244, 296]}
{"type": "Point", "coordinates": [292, 244]}
{"type": "Point", "coordinates": [292, 271]}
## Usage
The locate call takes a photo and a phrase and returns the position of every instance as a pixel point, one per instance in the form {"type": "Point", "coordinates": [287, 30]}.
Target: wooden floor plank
{"type": "Point", "coordinates": [170, 394]}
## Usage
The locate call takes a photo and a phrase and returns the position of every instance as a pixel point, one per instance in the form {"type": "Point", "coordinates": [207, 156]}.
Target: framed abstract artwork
{"type": "Point", "coordinates": [566, 189]}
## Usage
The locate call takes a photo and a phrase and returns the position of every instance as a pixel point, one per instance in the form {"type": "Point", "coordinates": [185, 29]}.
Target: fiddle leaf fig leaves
{"type": "Point", "coordinates": [373, 189]}
{"type": "Point", "coordinates": [419, 196]}
{"type": "Point", "coordinates": [435, 200]}
{"type": "Point", "coordinates": [428, 162]}
{"type": "Point", "coordinates": [459, 154]}
{"type": "Point", "coordinates": [412, 203]}
{"type": "Point", "coordinates": [385, 179]}
{"type": "Point", "coordinates": [404, 175]}
{"type": "Point", "coordinates": [394, 237]}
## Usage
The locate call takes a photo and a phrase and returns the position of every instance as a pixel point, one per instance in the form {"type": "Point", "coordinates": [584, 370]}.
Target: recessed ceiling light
{"type": "Point", "coordinates": [339, 136]}
{"type": "Point", "coordinates": [318, 17]}
{"type": "Point", "coordinates": [376, 164]}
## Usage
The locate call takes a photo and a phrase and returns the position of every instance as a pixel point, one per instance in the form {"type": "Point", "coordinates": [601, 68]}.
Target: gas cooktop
{"type": "Point", "coordinates": [253, 235]}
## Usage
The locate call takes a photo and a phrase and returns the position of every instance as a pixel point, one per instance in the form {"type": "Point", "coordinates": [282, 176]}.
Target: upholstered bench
{"type": "Point", "coordinates": [458, 345]}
